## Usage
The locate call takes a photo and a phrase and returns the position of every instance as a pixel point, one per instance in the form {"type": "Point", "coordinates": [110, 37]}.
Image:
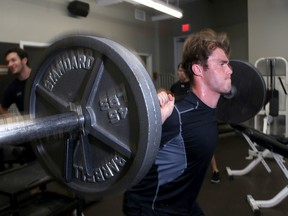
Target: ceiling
{"type": "Point", "coordinates": [180, 2]}
{"type": "Point", "coordinates": [173, 2]}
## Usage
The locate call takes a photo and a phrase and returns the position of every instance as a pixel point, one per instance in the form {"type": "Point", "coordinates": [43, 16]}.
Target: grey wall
{"type": "Point", "coordinates": [221, 15]}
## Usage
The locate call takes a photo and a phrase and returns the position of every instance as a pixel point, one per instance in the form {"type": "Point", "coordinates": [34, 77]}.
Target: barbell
{"type": "Point", "coordinates": [95, 121]}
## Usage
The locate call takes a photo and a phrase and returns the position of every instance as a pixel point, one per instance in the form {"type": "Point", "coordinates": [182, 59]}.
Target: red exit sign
{"type": "Point", "coordinates": [185, 27]}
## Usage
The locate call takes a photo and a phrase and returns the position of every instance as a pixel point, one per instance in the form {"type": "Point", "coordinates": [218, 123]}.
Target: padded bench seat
{"type": "Point", "coordinates": [16, 185]}
{"type": "Point", "coordinates": [269, 142]}
{"type": "Point", "coordinates": [18, 181]}
{"type": "Point", "coordinates": [44, 204]}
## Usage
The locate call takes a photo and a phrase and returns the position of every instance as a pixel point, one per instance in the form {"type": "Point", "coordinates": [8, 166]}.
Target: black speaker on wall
{"type": "Point", "coordinates": [78, 8]}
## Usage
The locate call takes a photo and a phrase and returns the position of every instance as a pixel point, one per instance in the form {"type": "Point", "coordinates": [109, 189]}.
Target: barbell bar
{"type": "Point", "coordinates": [15, 130]}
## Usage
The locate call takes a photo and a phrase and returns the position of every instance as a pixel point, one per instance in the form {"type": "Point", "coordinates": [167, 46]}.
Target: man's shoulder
{"type": "Point", "coordinates": [15, 85]}
{"type": "Point", "coordinates": [18, 83]}
{"type": "Point", "coordinates": [175, 84]}
{"type": "Point", "coordinates": [14, 81]}
{"type": "Point", "coordinates": [11, 84]}
{"type": "Point", "coordinates": [186, 101]}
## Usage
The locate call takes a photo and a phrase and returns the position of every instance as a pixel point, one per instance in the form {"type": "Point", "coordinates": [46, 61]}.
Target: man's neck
{"type": "Point", "coordinates": [206, 96]}
{"type": "Point", "coordinates": [184, 80]}
{"type": "Point", "coordinates": [25, 73]}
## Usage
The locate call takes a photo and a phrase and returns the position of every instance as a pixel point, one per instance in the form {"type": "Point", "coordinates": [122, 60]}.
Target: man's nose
{"type": "Point", "coordinates": [9, 64]}
{"type": "Point", "coordinates": [229, 70]}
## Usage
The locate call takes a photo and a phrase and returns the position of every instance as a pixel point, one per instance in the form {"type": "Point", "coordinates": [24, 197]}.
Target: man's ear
{"type": "Point", "coordinates": [25, 60]}
{"type": "Point", "coordinates": [197, 69]}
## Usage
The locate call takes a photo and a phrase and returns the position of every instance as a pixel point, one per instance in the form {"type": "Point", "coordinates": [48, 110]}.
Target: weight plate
{"type": "Point", "coordinates": [119, 115]}
{"type": "Point", "coordinates": [248, 94]}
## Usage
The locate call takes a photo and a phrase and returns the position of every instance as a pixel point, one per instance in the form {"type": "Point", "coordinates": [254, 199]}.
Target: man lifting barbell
{"type": "Point", "coordinates": [96, 126]}
{"type": "Point", "coordinates": [189, 135]}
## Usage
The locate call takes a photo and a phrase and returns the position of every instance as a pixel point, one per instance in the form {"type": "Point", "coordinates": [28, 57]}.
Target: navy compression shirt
{"type": "Point", "coordinates": [189, 138]}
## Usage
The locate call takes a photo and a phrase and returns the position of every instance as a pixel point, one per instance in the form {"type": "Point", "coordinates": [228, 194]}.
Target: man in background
{"type": "Point", "coordinates": [18, 65]}
{"type": "Point", "coordinates": [182, 86]}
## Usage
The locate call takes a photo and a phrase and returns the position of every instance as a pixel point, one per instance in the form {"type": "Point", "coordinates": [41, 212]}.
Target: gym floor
{"type": "Point", "coordinates": [229, 196]}
{"type": "Point", "coordinates": [225, 198]}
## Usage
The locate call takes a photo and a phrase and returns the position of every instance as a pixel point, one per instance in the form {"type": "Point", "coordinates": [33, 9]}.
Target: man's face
{"type": "Point", "coordinates": [181, 74]}
{"type": "Point", "coordinates": [14, 63]}
{"type": "Point", "coordinates": [218, 74]}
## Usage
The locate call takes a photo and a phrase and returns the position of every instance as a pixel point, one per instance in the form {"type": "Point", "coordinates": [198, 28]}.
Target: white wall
{"type": "Point", "coordinates": [268, 33]}
{"type": "Point", "coordinates": [267, 28]}
{"type": "Point", "coordinates": [45, 20]}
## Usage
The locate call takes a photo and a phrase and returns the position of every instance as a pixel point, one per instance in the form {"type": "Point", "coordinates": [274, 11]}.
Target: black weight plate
{"type": "Point", "coordinates": [122, 121]}
{"type": "Point", "coordinates": [250, 93]}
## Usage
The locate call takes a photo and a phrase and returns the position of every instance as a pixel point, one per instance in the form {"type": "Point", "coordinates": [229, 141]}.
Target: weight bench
{"type": "Point", "coordinates": [276, 146]}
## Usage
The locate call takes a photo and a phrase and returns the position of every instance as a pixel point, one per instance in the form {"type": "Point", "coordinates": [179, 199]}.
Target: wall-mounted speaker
{"type": "Point", "coordinates": [78, 8]}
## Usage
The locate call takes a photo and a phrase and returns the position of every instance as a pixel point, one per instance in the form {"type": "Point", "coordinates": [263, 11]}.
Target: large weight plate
{"type": "Point", "coordinates": [122, 121]}
{"type": "Point", "coordinates": [249, 94]}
